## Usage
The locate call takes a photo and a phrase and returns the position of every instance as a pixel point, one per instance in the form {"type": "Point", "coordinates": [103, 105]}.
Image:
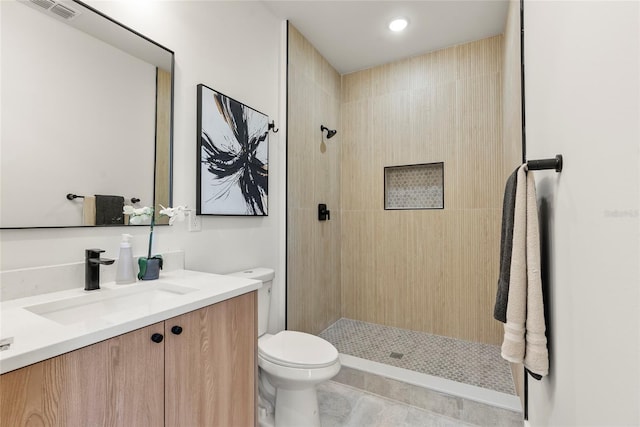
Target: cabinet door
{"type": "Point", "coordinates": [117, 382]}
{"type": "Point", "coordinates": [211, 365]}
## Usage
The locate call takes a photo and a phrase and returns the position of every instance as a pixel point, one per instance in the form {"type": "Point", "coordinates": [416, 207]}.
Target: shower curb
{"type": "Point", "coordinates": [454, 406]}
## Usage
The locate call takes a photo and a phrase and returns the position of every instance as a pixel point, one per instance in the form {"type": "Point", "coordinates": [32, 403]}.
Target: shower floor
{"type": "Point", "coordinates": [463, 361]}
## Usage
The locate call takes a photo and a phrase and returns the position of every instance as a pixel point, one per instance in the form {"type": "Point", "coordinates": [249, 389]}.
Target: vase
{"type": "Point", "coordinates": [150, 267]}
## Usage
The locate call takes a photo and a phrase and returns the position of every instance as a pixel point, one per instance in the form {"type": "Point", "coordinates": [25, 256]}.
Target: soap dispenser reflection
{"type": "Point", "coordinates": [125, 273]}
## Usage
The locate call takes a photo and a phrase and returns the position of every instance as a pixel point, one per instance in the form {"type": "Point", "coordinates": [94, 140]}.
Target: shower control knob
{"type": "Point", "coordinates": [176, 330]}
{"type": "Point", "coordinates": [323, 213]}
{"type": "Point", "coordinates": [157, 338]}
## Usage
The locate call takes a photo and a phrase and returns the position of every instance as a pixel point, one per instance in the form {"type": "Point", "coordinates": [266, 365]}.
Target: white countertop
{"type": "Point", "coordinates": [36, 338]}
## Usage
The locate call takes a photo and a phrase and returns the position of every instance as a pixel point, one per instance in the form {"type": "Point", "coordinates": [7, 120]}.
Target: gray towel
{"type": "Point", "coordinates": [506, 246]}
{"type": "Point", "coordinates": [109, 210]}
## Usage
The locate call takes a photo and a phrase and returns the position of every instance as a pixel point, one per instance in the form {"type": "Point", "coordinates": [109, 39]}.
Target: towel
{"type": "Point", "coordinates": [109, 210]}
{"type": "Point", "coordinates": [506, 246]}
{"type": "Point", "coordinates": [513, 345]}
{"type": "Point", "coordinates": [89, 210]}
{"type": "Point", "coordinates": [524, 332]}
{"type": "Point", "coordinates": [536, 355]}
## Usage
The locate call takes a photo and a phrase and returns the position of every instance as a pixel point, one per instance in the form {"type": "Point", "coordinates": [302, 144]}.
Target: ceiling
{"type": "Point", "coordinates": [353, 35]}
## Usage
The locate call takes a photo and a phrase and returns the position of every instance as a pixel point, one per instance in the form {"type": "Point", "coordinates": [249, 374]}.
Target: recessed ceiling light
{"type": "Point", "coordinates": [398, 24]}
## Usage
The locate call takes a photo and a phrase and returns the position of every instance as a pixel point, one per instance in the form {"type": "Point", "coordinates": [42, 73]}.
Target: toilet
{"type": "Point", "coordinates": [291, 364]}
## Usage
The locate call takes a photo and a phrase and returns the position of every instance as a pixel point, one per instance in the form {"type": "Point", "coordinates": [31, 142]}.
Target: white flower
{"type": "Point", "coordinates": [177, 213]}
{"type": "Point", "coordinates": [139, 215]}
{"type": "Point", "coordinates": [144, 212]}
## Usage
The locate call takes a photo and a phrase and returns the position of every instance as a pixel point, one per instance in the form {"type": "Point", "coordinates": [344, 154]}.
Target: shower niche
{"type": "Point", "coordinates": [418, 186]}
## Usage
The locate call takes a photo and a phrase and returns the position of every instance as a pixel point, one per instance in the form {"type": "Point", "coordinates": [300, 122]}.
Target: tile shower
{"type": "Point", "coordinates": [407, 284]}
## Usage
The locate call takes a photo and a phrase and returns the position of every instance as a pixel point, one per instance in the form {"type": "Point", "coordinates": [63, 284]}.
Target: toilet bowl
{"type": "Point", "coordinates": [294, 363]}
{"type": "Point", "coordinates": [291, 364]}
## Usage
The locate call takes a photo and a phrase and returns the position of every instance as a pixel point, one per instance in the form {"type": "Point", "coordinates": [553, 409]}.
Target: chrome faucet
{"type": "Point", "coordinates": [92, 263]}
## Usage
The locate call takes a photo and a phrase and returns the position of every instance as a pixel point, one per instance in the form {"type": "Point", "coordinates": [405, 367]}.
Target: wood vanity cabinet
{"type": "Point", "coordinates": [114, 382]}
{"type": "Point", "coordinates": [211, 366]}
{"type": "Point", "coordinates": [200, 371]}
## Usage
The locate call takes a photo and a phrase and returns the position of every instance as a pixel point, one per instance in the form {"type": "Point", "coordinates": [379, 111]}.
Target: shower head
{"type": "Point", "coordinates": [330, 133]}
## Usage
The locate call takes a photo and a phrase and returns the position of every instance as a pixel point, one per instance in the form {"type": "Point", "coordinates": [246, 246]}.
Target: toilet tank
{"type": "Point", "coordinates": [265, 275]}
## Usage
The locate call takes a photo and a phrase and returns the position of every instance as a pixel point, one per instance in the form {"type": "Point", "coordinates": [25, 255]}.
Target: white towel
{"type": "Point", "coordinates": [513, 345]}
{"type": "Point", "coordinates": [524, 332]}
{"type": "Point", "coordinates": [536, 358]}
{"type": "Point", "coordinates": [89, 210]}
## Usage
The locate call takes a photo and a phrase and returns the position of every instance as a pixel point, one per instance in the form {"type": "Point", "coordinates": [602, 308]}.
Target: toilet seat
{"type": "Point", "coordinates": [297, 350]}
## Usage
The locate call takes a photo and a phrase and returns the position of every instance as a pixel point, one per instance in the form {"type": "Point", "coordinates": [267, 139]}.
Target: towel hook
{"type": "Point", "coordinates": [272, 126]}
{"type": "Point", "coordinates": [544, 164]}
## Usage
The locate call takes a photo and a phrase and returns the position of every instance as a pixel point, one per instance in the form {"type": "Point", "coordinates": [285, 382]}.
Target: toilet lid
{"type": "Point", "coordinates": [298, 350]}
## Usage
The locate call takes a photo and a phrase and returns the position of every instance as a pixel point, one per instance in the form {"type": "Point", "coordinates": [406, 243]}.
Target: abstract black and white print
{"type": "Point", "coordinates": [233, 161]}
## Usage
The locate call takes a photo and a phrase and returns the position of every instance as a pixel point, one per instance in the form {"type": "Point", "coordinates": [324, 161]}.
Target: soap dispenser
{"type": "Point", "coordinates": [125, 273]}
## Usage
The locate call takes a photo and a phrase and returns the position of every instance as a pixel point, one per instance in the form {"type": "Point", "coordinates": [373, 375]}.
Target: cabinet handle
{"type": "Point", "coordinates": [157, 338]}
{"type": "Point", "coordinates": [176, 330]}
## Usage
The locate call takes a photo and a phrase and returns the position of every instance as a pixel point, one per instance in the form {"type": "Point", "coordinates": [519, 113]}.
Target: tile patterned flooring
{"type": "Point", "coordinates": [457, 360]}
{"type": "Point", "coordinates": [344, 406]}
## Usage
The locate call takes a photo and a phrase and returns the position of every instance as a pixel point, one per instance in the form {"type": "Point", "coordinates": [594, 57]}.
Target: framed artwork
{"type": "Point", "coordinates": [233, 156]}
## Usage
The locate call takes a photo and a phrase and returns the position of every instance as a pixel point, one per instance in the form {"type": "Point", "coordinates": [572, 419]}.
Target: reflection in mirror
{"type": "Point", "coordinates": [86, 109]}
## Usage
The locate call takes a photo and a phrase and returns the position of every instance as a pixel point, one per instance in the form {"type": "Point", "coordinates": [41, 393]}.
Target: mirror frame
{"type": "Point", "coordinates": [170, 172]}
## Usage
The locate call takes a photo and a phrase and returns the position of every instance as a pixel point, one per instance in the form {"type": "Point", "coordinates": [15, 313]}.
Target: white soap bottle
{"type": "Point", "coordinates": [125, 273]}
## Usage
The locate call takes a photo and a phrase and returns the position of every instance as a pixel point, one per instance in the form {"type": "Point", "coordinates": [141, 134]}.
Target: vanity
{"type": "Point", "coordinates": [178, 351]}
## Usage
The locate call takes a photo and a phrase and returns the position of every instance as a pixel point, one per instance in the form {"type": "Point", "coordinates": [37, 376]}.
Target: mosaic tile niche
{"type": "Point", "coordinates": [414, 186]}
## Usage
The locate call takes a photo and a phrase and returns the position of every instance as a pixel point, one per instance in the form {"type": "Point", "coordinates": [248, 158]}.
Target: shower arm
{"type": "Point", "coordinates": [330, 132]}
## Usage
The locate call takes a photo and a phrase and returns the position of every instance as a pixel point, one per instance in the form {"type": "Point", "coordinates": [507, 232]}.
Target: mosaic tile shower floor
{"type": "Point", "coordinates": [457, 360]}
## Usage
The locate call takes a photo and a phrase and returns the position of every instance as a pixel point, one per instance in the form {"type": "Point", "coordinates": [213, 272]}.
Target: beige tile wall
{"type": "Point", "coordinates": [163, 144]}
{"type": "Point", "coordinates": [313, 168]}
{"type": "Point", "coordinates": [512, 91]}
{"type": "Point", "coordinates": [429, 270]}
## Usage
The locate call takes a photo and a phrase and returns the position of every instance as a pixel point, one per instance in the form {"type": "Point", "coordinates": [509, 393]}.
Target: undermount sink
{"type": "Point", "coordinates": [108, 303]}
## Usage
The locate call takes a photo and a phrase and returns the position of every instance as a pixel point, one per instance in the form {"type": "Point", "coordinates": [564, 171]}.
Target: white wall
{"type": "Point", "coordinates": [582, 97]}
{"type": "Point", "coordinates": [234, 47]}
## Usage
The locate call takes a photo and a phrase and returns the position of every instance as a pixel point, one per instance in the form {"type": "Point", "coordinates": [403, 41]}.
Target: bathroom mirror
{"type": "Point", "coordinates": [86, 109]}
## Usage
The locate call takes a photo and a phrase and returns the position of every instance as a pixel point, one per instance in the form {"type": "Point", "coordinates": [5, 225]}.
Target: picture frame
{"type": "Point", "coordinates": [233, 156]}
